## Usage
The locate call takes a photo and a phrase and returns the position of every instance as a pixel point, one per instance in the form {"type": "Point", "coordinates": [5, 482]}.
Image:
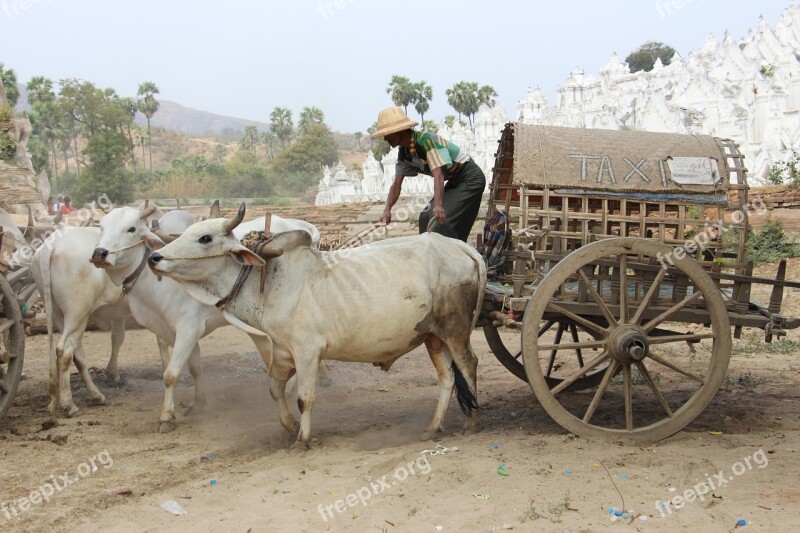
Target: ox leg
{"type": "Point", "coordinates": [467, 390]}
{"type": "Point", "coordinates": [196, 370]}
{"type": "Point", "coordinates": [185, 344]}
{"type": "Point", "coordinates": [163, 351]}
{"type": "Point", "coordinates": [65, 355]}
{"type": "Point", "coordinates": [307, 368]}
{"type": "Point", "coordinates": [94, 396]}
{"type": "Point", "coordinates": [277, 389]}
{"type": "Point", "coordinates": [443, 362]}
{"type": "Point", "coordinates": [117, 338]}
{"type": "Point", "coordinates": [55, 376]}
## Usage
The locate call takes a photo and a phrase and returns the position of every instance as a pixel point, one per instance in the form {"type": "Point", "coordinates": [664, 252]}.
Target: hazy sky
{"type": "Point", "coordinates": [245, 58]}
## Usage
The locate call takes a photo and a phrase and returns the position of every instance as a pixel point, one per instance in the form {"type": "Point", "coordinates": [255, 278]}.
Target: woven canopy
{"type": "Point", "coordinates": [621, 161]}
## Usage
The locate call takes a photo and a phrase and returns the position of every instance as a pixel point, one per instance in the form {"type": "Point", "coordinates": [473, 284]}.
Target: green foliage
{"type": "Point", "coordinates": [308, 116]}
{"type": "Point", "coordinates": [466, 98]}
{"type": "Point", "coordinates": [313, 150]}
{"type": "Point", "coordinates": [381, 149]}
{"type": "Point", "coordinates": [781, 171]}
{"type": "Point", "coordinates": [401, 91]}
{"type": "Point", "coordinates": [771, 244]}
{"type": "Point", "coordinates": [9, 79]}
{"type": "Point", "coordinates": [767, 70]}
{"type": "Point", "coordinates": [106, 174]}
{"type": "Point", "coordinates": [249, 139]}
{"type": "Point", "coordinates": [430, 125]}
{"type": "Point", "coordinates": [8, 147]}
{"type": "Point", "coordinates": [281, 124]}
{"type": "Point", "coordinates": [644, 57]}
{"type": "Point", "coordinates": [423, 94]}
{"type": "Point", "coordinates": [6, 114]}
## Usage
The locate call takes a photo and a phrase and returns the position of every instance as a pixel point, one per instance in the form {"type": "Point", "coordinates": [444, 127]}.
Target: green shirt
{"type": "Point", "coordinates": [428, 151]}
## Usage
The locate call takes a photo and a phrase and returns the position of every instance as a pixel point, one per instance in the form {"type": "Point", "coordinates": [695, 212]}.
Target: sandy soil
{"type": "Point", "coordinates": [229, 469]}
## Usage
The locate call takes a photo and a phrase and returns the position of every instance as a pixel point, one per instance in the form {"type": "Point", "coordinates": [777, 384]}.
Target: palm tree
{"type": "Point", "coordinates": [9, 80]}
{"type": "Point", "coordinates": [281, 124]}
{"type": "Point", "coordinates": [423, 94]}
{"type": "Point", "coordinates": [148, 105]}
{"type": "Point", "coordinates": [309, 116]}
{"type": "Point", "coordinates": [487, 95]}
{"type": "Point", "coordinates": [249, 140]}
{"type": "Point", "coordinates": [456, 97]}
{"type": "Point", "coordinates": [401, 91]}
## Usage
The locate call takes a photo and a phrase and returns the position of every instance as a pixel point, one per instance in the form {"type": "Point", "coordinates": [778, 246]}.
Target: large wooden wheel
{"type": "Point", "coordinates": [654, 380]}
{"type": "Point", "coordinates": [507, 348]}
{"type": "Point", "coordinates": [12, 350]}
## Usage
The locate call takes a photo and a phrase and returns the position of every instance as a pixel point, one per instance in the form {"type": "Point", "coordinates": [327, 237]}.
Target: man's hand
{"type": "Point", "coordinates": [439, 214]}
{"type": "Point", "coordinates": [387, 216]}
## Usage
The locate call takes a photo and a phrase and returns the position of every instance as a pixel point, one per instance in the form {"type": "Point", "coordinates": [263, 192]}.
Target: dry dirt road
{"type": "Point", "coordinates": [229, 469]}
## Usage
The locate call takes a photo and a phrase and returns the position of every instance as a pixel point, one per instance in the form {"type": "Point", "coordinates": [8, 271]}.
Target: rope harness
{"type": "Point", "coordinates": [130, 281]}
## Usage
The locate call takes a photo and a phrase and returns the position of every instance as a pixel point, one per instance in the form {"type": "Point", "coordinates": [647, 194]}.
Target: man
{"type": "Point", "coordinates": [458, 182]}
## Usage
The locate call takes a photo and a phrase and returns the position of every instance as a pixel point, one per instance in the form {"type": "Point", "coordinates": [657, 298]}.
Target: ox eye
{"type": "Point", "coordinates": [205, 239]}
{"type": "Point", "coordinates": [131, 229]}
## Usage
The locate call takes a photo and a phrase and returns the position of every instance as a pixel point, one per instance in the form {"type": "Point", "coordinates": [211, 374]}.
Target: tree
{"type": "Point", "coordinates": [644, 57]}
{"type": "Point", "coordinates": [9, 79]}
{"type": "Point", "coordinates": [487, 95]}
{"type": "Point", "coordinates": [449, 120]}
{"type": "Point", "coordinates": [357, 136]}
{"type": "Point", "coordinates": [372, 129]}
{"type": "Point", "coordinates": [249, 140]}
{"type": "Point", "coordinates": [423, 94]}
{"type": "Point", "coordinates": [219, 154]}
{"type": "Point", "coordinates": [267, 140]}
{"type": "Point", "coordinates": [148, 105]}
{"type": "Point", "coordinates": [430, 125]}
{"type": "Point", "coordinates": [401, 91]}
{"type": "Point", "coordinates": [44, 118]}
{"type": "Point", "coordinates": [463, 97]}
{"type": "Point", "coordinates": [281, 124]}
{"type": "Point", "coordinates": [315, 148]}
{"type": "Point", "coordinates": [309, 116]}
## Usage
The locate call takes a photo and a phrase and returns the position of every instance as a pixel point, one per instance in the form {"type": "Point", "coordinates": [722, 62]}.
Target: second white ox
{"type": "Point", "coordinates": [370, 304]}
{"type": "Point", "coordinates": [163, 307]}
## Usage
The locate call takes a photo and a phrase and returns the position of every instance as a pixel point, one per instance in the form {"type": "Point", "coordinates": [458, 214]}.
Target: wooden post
{"type": "Point", "coordinates": [265, 268]}
{"type": "Point", "coordinates": [267, 224]}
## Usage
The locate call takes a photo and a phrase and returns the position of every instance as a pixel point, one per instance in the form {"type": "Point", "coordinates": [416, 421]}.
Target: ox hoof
{"type": "Point", "coordinates": [299, 447]}
{"type": "Point", "coordinates": [166, 427]}
{"type": "Point", "coordinates": [431, 435]}
{"type": "Point", "coordinates": [72, 411]}
{"type": "Point", "coordinates": [94, 402]}
{"type": "Point", "coordinates": [114, 381]}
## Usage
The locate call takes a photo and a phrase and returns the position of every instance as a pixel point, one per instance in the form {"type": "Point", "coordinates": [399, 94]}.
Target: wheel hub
{"type": "Point", "coordinates": [628, 344]}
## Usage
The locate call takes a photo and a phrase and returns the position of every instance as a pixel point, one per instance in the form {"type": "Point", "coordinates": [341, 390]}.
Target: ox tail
{"type": "Point", "coordinates": [466, 397]}
{"type": "Point", "coordinates": [43, 277]}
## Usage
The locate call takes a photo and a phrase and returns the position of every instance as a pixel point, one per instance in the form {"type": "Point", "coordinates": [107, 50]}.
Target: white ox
{"type": "Point", "coordinates": [370, 304]}
{"type": "Point", "coordinates": [74, 292]}
{"type": "Point", "coordinates": [163, 307]}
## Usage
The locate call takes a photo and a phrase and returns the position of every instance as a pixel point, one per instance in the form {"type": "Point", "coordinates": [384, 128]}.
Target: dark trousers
{"type": "Point", "coordinates": [462, 201]}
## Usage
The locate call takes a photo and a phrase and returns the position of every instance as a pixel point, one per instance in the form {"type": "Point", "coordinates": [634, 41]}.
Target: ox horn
{"type": "Point", "coordinates": [214, 211]}
{"type": "Point", "coordinates": [164, 236]}
{"type": "Point", "coordinates": [270, 253]}
{"type": "Point", "coordinates": [231, 224]}
{"type": "Point", "coordinates": [147, 212]}
{"type": "Point", "coordinates": [105, 208]}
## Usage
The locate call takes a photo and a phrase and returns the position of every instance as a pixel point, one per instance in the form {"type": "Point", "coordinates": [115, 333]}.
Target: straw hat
{"type": "Point", "coordinates": [392, 120]}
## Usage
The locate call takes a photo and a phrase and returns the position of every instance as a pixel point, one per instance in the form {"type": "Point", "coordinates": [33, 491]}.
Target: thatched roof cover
{"type": "Point", "coordinates": [619, 161]}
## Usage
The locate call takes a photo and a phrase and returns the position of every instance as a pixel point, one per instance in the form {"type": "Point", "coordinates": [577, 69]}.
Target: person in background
{"type": "Point", "coordinates": [458, 182]}
{"type": "Point", "coordinates": [50, 202]}
{"type": "Point", "coordinates": [66, 207]}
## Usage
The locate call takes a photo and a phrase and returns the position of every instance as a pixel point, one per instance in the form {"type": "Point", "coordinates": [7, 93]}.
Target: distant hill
{"type": "Point", "coordinates": [192, 122]}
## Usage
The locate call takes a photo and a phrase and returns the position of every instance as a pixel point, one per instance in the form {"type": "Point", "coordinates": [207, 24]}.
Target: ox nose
{"type": "Point", "coordinates": [154, 258]}
{"type": "Point", "coordinates": [101, 253]}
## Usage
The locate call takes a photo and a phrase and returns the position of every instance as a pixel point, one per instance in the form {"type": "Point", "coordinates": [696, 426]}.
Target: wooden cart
{"type": "Point", "coordinates": [12, 330]}
{"type": "Point", "coordinates": [626, 271]}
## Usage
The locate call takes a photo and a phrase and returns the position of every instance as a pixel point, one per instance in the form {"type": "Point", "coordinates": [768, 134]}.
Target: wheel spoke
{"type": "Point", "coordinates": [658, 359]}
{"type": "Point", "coordinates": [587, 324]}
{"type": "Point", "coordinates": [626, 374]}
{"type": "Point", "coordinates": [574, 330]}
{"type": "Point", "coordinates": [547, 325]}
{"type": "Point", "coordinates": [572, 345]}
{"type": "Point", "coordinates": [623, 288]}
{"type": "Point", "coordinates": [649, 296]}
{"type": "Point", "coordinates": [601, 389]}
{"type": "Point", "coordinates": [577, 375]}
{"type": "Point", "coordinates": [6, 324]}
{"type": "Point", "coordinates": [689, 337]}
{"type": "Point", "coordinates": [552, 360]}
{"type": "Point", "coordinates": [671, 311]}
{"type": "Point", "coordinates": [600, 303]}
{"type": "Point", "coordinates": [647, 377]}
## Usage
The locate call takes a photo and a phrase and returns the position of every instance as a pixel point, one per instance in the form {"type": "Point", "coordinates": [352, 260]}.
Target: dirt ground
{"type": "Point", "coordinates": [228, 467]}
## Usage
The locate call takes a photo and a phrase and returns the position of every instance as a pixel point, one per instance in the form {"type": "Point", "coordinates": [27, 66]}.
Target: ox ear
{"type": "Point", "coordinates": [246, 257]}
{"type": "Point", "coordinates": [153, 241]}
